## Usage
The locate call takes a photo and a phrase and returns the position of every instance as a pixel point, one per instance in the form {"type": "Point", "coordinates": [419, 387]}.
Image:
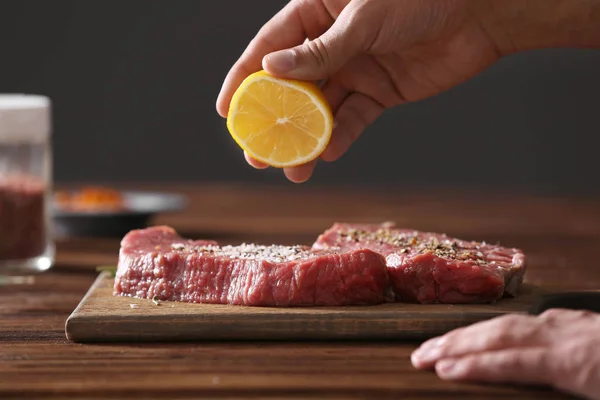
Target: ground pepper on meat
{"type": "Point", "coordinates": [272, 253]}
{"type": "Point", "coordinates": [411, 243]}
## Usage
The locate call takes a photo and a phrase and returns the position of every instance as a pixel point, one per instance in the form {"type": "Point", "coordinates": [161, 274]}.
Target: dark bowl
{"type": "Point", "coordinates": [139, 208]}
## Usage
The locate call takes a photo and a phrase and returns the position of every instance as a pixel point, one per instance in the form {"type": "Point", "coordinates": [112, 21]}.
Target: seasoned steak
{"type": "Point", "coordinates": [157, 263]}
{"type": "Point", "coordinates": [433, 268]}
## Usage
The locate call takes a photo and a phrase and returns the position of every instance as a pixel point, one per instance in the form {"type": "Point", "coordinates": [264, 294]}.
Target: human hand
{"type": "Point", "coordinates": [372, 54]}
{"type": "Point", "coordinates": [559, 348]}
{"type": "Point", "coordinates": [376, 54]}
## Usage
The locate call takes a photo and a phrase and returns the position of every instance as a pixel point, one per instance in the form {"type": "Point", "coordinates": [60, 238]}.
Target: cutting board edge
{"type": "Point", "coordinates": [74, 314]}
{"type": "Point", "coordinates": [82, 327]}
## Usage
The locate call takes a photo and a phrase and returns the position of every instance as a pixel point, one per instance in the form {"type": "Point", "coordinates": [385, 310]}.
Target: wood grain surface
{"type": "Point", "coordinates": [103, 317]}
{"type": "Point", "coordinates": [561, 236]}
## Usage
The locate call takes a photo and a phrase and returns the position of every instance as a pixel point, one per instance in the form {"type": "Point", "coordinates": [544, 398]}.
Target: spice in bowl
{"type": "Point", "coordinates": [91, 199]}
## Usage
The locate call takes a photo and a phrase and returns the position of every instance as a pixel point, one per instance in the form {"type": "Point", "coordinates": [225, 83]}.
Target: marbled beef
{"type": "Point", "coordinates": [157, 263]}
{"type": "Point", "coordinates": [433, 268]}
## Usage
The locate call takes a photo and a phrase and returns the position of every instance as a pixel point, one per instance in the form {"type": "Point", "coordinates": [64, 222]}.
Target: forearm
{"type": "Point", "coordinates": [519, 25]}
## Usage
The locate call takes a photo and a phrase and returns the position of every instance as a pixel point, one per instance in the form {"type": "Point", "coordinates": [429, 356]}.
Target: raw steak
{"type": "Point", "coordinates": [157, 263]}
{"type": "Point", "coordinates": [433, 268]}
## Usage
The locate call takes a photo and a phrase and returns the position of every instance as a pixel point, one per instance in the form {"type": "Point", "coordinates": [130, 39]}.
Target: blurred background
{"type": "Point", "coordinates": [134, 84]}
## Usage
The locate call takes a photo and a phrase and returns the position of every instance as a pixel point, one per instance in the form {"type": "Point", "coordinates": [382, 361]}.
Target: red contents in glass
{"type": "Point", "coordinates": [22, 217]}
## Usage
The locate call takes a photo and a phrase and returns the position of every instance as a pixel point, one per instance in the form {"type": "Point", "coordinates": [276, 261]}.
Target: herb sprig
{"type": "Point", "coordinates": [108, 268]}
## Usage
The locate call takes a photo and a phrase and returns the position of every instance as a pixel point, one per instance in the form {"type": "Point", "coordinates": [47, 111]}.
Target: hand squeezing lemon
{"type": "Point", "coordinates": [280, 122]}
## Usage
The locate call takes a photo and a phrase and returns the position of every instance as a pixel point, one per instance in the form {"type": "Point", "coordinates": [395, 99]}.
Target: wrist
{"type": "Point", "coordinates": [520, 25]}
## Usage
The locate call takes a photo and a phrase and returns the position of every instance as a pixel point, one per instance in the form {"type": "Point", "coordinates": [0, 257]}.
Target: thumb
{"type": "Point", "coordinates": [319, 58]}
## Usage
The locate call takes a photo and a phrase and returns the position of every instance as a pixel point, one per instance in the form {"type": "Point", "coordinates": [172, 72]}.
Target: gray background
{"type": "Point", "coordinates": [134, 84]}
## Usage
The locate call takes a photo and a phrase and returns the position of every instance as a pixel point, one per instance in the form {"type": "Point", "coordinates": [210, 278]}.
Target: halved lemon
{"type": "Point", "coordinates": [280, 122]}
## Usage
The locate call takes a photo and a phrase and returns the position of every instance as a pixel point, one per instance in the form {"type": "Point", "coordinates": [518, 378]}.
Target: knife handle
{"type": "Point", "coordinates": [587, 301]}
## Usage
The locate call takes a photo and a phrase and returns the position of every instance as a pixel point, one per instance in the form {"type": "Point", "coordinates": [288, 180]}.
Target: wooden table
{"type": "Point", "coordinates": [560, 235]}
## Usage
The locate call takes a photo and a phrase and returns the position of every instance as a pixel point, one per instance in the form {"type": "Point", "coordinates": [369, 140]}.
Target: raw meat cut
{"type": "Point", "coordinates": [433, 268]}
{"type": "Point", "coordinates": [156, 263]}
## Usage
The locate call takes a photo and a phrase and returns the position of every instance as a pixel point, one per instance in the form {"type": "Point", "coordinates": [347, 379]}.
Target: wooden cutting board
{"type": "Point", "coordinates": [100, 316]}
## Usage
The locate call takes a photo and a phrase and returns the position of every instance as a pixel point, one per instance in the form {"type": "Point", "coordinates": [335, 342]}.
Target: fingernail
{"type": "Point", "coordinates": [426, 355]}
{"type": "Point", "coordinates": [281, 61]}
{"type": "Point", "coordinates": [429, 352]}
{"type": "Point", "coordinates": [450, 369]}
{"type": "Point", "coordinates": [430, 344]}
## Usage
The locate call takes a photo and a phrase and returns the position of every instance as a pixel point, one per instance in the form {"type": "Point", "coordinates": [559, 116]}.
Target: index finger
{"type": "Point", "coordinates": [288, 28]}
{"type": "Point", "coordinates": [512, 330]}
{"type": "Point", "coordinates": [529, 366]}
